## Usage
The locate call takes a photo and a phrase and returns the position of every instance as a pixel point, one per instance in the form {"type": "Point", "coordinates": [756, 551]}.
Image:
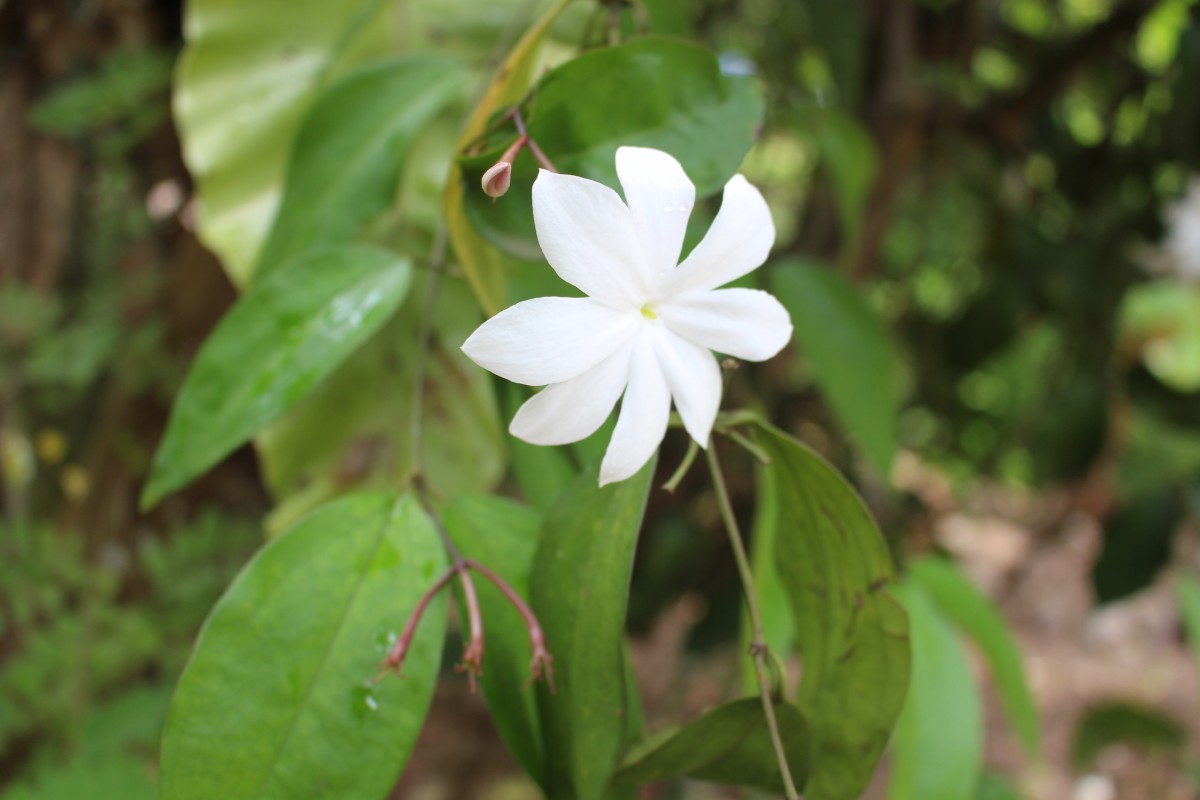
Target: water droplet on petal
{"type": "Point", "coordinates": [667, 208]}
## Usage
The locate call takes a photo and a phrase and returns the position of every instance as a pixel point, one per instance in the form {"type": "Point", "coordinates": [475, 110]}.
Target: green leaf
{"type": "Point", "coordinates": [848, 155]}
{"type": "Point", "coordinates": [961, 603]}
{"type": "Point", "coordinates": [503, 535]}
{"type": "Point", "coordinates": [1106, 724]}
{"type": "Point", "coordinates": [277, 701]}
{"type": "Point", "coordinates": [354, 431]}
{"type": "Point", "coordinates": [851, 632]}
{"type": "Point", "coordinates": [729, 745]}
{"type": "Point", "coordinates": [584, 562]}
{"type": "Point", "coordinates": [543, 473]}
{"type": "Point", "coordinates": [847, 345]}
{"type": "Point", "coordinates": [480, 261]}
{"type": "Point", "coordinates": [1138, 538]}
{"type": "Point", "coordinates": [349, 152]}
{"type": "Point", "coordinates": [1161, 321]}
{"type": "Point", "coordinates": [938, 746]}
{"type": "Point", "coordinates": [279, 341]}
{"type": "Point", "coordinates": [584, 110]}
{"type": "Point", "coordinates": [1188, 592]}
{"type": "Point", "coordinates": [1156, 454]}
{"type": "Point", "coordinates": [837, 28]}
{"type": "Point", "coordinates": [773, 602]}
{"type": "Point", "coordinates": [246, 77]}
{"type": "Point", "coordinates": [993, 786]}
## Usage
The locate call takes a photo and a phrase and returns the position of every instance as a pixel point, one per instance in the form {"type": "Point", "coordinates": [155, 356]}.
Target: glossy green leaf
{"type": "Point", "coordinates": [354, 431]}
{"type": "Point", "coordinates": [278, 342]}
{"type": "Point", "coordinates": [245, 79]}
{"type": "Point", "coordinates": [729, 745]}
{"type": "Point", "coordinates": [584, 563]}
{"type": "Point", "coordinates": [481, 262]}
{"type": "Point", "coordinates": [938, 746]}
{"type": "Point", "coordinates": [277, 701]}
{"type": "Point", "coordinates": [349, 151]}
{"type": "Point", "coordinates": [962, 604]}
{"type": "Point", "coordinates": [1107, 724]}
{"type": "Point", "coordinates": [1188, 592]}
{"type": "Point", "coordinates": [584, 110]}
{"type": "Point", "coordinates": [503, 535]}
{"type": "Point", "coordinates": [847, 345]}
{"type": "Point", "coordinates": [852, 633]}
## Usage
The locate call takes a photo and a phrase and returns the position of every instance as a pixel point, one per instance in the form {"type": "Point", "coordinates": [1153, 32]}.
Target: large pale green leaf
{"type": "Point", "coordinates": [276, 701]}
{"type": "Point", "coordinates": [846, 343]}
{"type": "Point", "coordinates": [349, 152]}
{"type": "Point", "coordinates": [851, 631]}
{"type": "Point", "coordinates": [584, 562]}
{"type": "Point", "coordinates": [584, 110]}
{"type": "Point", "coordinates": [503, 535]}
{"type": "Point", "coordinates": [729, 745]}
{"type": "Point", "coordinates": [277, 343]}
{"type": "Point", "coordinates": [482, 262]}
{"type": "Point", "coordinates": [938, 746]}
{"type": "Point", "coordinates": [354, 431]}
{"type": "Point", "coordinates": [247, 75]}
{"type": "Point", "coordinates": [961, 603]}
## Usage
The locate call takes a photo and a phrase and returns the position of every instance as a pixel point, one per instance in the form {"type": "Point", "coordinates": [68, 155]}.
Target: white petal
{"type": "Point", "coordinates": [738, 242]}
{"type": "Point", "coordinates": [743, 323]}
{"type": "Point", "coordinates": [660, 198]}
{"type": "Point", "coordinates": [643, 419]}
{"type": "Point", "coordinates": [694, 378]}
{"type": "Point", "coordinates": [549, 339]}
{"type": "Point", "coordinates": [587, 235]}
{"type": "Point", "coordinates": [573, 410]}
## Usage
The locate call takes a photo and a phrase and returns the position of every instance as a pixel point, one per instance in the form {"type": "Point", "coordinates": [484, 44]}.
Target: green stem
{"type": "Point", "coordinates": [758, 643]}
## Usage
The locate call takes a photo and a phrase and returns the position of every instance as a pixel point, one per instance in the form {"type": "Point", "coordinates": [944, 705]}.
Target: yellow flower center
{"type": "Point", "coordinates": [648, 312]}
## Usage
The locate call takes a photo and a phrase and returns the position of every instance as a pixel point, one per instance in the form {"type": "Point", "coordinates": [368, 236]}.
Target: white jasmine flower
{"type": "Point", "coordinates": [647, 327]}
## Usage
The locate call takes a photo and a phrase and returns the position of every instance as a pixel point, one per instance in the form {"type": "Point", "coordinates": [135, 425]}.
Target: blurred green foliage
{"type": "Point", "coordinates": [93, 645]}
{"type": "Point", "coordinates": [998, 194]}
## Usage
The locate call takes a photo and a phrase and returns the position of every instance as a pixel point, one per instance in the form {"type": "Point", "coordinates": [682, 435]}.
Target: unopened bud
{"type": "Point", "coordinates": [497, 179]}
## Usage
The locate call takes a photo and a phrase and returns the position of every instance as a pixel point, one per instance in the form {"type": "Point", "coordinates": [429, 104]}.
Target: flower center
{"type": "Point", "coordinates": [648, 312]}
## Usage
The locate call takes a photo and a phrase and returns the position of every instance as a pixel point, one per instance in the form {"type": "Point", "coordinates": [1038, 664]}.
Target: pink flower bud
{"type": "Point", "coordinates": [497, 179]}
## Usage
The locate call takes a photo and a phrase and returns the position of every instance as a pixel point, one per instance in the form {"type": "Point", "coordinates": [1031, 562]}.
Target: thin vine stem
{"type": "Point", "coordinates": [437, 262]}
{"type": "Point", "coordinates": [758, 643]}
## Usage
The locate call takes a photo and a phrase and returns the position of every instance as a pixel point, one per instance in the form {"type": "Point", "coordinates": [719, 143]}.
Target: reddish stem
{"type": "Point", "coordinates": [541, 157]}
{"type": "Point", "coordinates": [472, 661]}
{"type": "Point", "coordinates": [399, 651]}
{"type": "Point", "coordinates": [542, 663]}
